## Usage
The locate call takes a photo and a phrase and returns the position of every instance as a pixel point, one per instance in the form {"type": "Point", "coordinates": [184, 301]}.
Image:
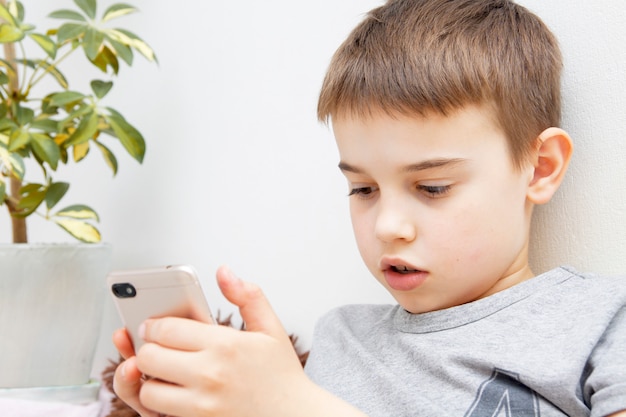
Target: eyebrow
{"type": "Point", "coordinates": [420, 166]}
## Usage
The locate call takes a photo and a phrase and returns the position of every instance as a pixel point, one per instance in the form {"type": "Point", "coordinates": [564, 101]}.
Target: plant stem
{"type": "Point", "coordinates": [23, 63]}
{"type": "Point", "coordinates": [18, 224]}
{"type": "Point", "coordinates": [52, 66]}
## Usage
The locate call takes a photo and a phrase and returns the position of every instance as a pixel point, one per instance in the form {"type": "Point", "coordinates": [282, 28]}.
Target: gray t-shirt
{"type": "Point", "coordinates": [554, 345]}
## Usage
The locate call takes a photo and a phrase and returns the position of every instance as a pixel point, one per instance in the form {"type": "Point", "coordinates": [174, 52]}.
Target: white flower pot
{"type": "Point", "coordinates": [51, 302]}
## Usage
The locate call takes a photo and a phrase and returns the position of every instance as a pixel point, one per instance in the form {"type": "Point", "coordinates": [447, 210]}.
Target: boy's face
{"type": "Point", "coordinates": [439, 212]}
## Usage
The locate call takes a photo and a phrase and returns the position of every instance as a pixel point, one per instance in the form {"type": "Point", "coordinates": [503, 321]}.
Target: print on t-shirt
{"type": "Point", "coordinates": [503, 395]}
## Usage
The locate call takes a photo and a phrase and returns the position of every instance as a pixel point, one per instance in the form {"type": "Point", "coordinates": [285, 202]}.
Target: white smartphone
{"type": "Point", "coordinates": [140, 294]}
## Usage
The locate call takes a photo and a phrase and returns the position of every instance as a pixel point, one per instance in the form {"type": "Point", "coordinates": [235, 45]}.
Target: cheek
{"type": "Point", "coordinates": [466, 236]}
{"type": "Point", "coordinates": [484, 232]}
{"type": "Point", "coordinates": [465, 242]}
{"type": "Point", "coordinates": [362, 227]}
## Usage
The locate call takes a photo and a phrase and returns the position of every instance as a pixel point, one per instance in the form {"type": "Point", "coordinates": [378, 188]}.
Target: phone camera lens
{"type": "Point", "coordinates": [124, 290]}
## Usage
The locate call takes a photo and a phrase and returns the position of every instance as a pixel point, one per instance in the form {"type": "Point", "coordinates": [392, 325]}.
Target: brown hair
{"type": "Point", "coordinates": [422, 56]}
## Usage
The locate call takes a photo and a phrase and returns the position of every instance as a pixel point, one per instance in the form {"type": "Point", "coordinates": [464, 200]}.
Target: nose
{"type": "Point", "coordinates": [394, 221]}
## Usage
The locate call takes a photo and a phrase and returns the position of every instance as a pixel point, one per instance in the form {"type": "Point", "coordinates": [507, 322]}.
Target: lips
{"type": "Point", "coordinates": [402, 276]}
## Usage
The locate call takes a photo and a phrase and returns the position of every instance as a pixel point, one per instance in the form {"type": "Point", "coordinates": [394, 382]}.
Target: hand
{"type": "Point", "coordinates": [203, 370]}
{"type": "Point", "coordinates": [128, 380]}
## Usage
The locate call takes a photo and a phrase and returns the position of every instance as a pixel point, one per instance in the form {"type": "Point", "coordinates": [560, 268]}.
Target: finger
{"type": "Point", "coordinates": [122, 342]}
{"type": "Point", "coordinates": [173, 400]}
{"type": "Point", "coordinates": [178, 333]}
{"type": "Point", "coordinates": [254, 307]}
{"type": "Point", "coordinates": [169, 365]}
{"type": "Point", "coordinates": [127, 383]}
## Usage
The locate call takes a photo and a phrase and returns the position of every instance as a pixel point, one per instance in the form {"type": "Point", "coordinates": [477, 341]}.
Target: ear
{"type": "Point", "coordinates": [552, 157]}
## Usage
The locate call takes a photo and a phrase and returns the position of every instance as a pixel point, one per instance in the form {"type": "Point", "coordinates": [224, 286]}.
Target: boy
{"type": "Point", "coordinates": [445, 116]}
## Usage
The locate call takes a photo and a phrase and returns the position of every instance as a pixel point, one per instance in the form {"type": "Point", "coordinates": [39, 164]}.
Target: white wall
{"type": "Point", "coordinates": [585, 224]}
{"type": "Point", "coordinates": [238, 170]}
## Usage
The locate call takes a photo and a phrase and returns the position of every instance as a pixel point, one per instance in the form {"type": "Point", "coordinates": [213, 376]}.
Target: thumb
{"type": "Point", "coordinates": [254, 307]}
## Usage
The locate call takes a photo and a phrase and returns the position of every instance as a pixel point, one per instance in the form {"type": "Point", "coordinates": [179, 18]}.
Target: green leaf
{"type": "Point", "coordinates": [109, 158]}
{"type": "Point", "coordinates": [23, 115]}
{"type": "Point", "coordinates": [4, 141]}
{"type": "Point", "coordinates": [30, 202]}
{"type": "Point", "coordinates": [4, 79]}
{"type": "Point", "coordinates": [56, 74]}
{"type": "Point", "coordinates": [9, 68]}
{"type": "Point", "coordinates": [31, 199]}
{"type": "Point", "coordinates": [128, 38]}
{"type": "Point", "coordinates": [92, 42]}
{"type": "Point", "coordinates": [106, 58]}
{"type": "Point", "coordinates": [69, 31]}
{"type": "Point", "coordinates": [63, 154]}
{"type": "Point", "coordinates": [12, 161]}
{"type": "Point", "coordinates": [47, 108]}
{"type": "Point", "coordinates": [130, 137]}
{"type": "Point", "coordinates": [17, 9]}
{"type": "Point", "coordinates": [46, 43]}
{"type": "Point", "coordinates": [50, 69]}
{"type": "Point", "coordinates": [6, 124]}
{"type": "Point", "coordinates": [82, 231]}
{"type": "Point", "coordinates": [3, 191]}
{"type": "Point", "coordinates": [87, 6]}
{"type": "Point", "coordinates": [86, 129]}
{"type": "Point", "coordinates": [55, 192]}
{"type": "Point", "coordinates": [46, 149]}
{"type": "Point", "coordinates": [25, 27]}
{"type": "Point", "coordinates": [80, 151]}
{"type": "Point", "coordinates": [115, 113]}
{"type": "Point", "coordinates": [18, 139]}
{"type": "Point", "coordinates": [30, 188]}
{"type": "Point", "coordinates": [78, 113]}
{"type": "Point", "coordinates": [9, 33]}
{"type": "Point", "coordinates": [67, 14]}
{"type": "Point", "coordinates": [7, 16]}
{"type": "Point", "coordinates": [17, 167]}
{"type": "Point", "coordinates": [101, 88]}
{"type": "Point", "coordinates": [121, 50]}
{"type": "Point", "coordinates": [78, 211]}
{"type": "Point", "coordinates": [117, 10]}
{"type": "Point", "coordinates": [65, 97]}
{"type": "Point", "coordinates": [44, 124]}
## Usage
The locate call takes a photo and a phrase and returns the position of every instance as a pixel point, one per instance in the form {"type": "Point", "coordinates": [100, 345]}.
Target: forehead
{"type": "Point", "coordinates": [464, 133]}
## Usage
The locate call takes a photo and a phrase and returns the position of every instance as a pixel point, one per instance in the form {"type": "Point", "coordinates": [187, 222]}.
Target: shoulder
{"type": "Point", "coordinates": [591, 300]}
{"type": "Point", "coordinates": [611, 288]}
{"type": "Point", "coordinates": [604, 297]}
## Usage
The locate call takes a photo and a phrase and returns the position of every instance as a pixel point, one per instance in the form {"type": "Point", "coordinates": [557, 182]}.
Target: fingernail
{"type": "Point", "coordinates": [123, 369]}
{"type": "Point", "coordinates": [233, 276]}
{"type": "Point", "coordinates": [142, 330]}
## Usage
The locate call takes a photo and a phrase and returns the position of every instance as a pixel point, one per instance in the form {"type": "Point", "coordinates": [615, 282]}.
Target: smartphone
{"type": "Point", "coordinates": [173, 290]}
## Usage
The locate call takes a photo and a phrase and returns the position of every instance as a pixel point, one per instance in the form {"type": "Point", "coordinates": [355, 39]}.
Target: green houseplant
{"type": "Point", "coordinates": [51, 295]}
{"type": "Point", "coordinates": [62, 125]}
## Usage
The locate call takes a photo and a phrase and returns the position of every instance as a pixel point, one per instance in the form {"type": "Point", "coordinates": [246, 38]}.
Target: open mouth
{"type": "Point", "coordinates": [401, 269]}
{"type": "Point", "coordinates": [400, 276]}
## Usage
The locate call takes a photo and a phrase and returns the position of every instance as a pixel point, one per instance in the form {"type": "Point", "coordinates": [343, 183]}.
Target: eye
{"type": "Point", "coordinates": [434, 191]}
{"type": "Point", "coordinates": [362, 192]}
